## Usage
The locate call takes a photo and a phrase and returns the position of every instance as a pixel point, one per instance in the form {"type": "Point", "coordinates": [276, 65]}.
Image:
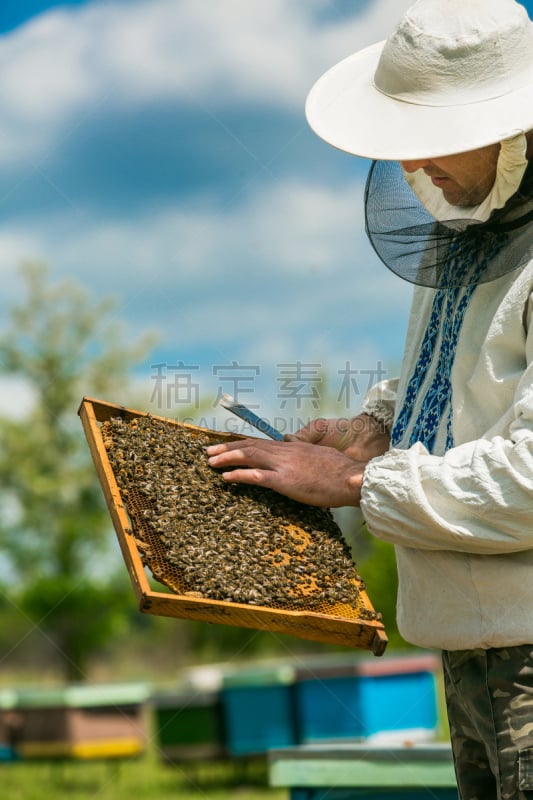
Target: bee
{"type": "Point", "coordinates": [225, 541]}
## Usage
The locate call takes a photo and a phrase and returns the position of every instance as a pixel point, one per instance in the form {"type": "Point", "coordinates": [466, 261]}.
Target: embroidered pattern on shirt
{"type": "Point", "coordinates": [444, 325]}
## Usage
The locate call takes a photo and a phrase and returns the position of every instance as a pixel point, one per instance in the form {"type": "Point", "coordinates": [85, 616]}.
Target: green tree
{"type": "Point", "coordinates": [55, 530]}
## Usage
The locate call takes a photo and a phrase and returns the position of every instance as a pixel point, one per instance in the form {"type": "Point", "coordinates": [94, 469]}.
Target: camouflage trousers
{"type": "Point", "coordinates": [489, 695]}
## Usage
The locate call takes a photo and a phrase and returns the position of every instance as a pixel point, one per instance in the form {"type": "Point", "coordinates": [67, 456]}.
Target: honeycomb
{"type": "Point", "coordinates": [205, 538]}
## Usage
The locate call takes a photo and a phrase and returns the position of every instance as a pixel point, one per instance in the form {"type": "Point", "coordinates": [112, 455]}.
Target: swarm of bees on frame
{"type": "Point", "coordinates": [229, 542]}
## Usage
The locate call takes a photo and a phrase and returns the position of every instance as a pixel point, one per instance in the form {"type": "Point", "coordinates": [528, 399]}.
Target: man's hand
{"type": "Point", "coordinates": [360, 438]}
{"type": "Point", "coordinates": [318, 476]}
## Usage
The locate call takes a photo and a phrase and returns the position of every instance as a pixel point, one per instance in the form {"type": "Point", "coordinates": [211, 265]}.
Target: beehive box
{"type": "Point", "coordinates": [393, 698]}
{"type": "Point", "coordinates": [258, 709]}
{"type": "Point", "coordinates": [308, 609]}
{"type": "Point", "coordinates": [80, 722]}
{"type": "Point", "coordinates": [9, 725]}
{"type": "Point", "coordinates": [188, 725]}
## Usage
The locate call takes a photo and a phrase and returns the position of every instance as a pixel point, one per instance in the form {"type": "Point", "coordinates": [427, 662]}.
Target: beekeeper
{"type": "Point", "coordinates": [444, 108]}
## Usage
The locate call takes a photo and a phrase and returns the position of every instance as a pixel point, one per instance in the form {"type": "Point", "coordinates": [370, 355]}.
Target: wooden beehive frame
{"type": "Point", "coordinates": [328, 628]}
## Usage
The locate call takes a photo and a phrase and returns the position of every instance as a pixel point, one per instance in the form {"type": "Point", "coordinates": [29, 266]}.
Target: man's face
{"type": "Point", "coordinates": [464, 178]}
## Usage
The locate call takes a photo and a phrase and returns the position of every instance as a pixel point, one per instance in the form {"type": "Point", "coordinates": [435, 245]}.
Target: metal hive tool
{"type": "Point", "coordinates": [303, 610]}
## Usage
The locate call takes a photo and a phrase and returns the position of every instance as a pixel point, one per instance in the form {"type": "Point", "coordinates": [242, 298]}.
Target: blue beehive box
{"type": "Point", "coordinates": [399, 695]}
{"type": "Point", "coordinates": [258, 712]}
{"type": "Point", "coordinates": [7, 753]}
{"type": "Point", "coordinates": [327, 701]}
{"type": "Point", "coordinates": [355, 699]}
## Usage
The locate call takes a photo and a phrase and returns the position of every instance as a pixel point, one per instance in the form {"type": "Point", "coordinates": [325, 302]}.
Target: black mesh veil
{"type": "Point", "coordinates": [462, 252]}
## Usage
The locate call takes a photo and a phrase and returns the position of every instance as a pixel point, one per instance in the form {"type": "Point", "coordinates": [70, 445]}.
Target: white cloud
{"type": "Point", "coordinates": [285, 273]}
{"type": "Point", "coordinates": [291, 233]}
{"type": "Point", "coordinates": [64, 65]}
{"type": "Point", "coordinates": [287, 276]}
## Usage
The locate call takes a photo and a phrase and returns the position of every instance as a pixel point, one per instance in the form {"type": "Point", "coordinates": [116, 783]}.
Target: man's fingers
{"type": "Point", "coordinates": [241, 453]}
{"type": "Point", "coordinates": [219, 457]}
{"type": "Point", "coordinates": [255, 477]}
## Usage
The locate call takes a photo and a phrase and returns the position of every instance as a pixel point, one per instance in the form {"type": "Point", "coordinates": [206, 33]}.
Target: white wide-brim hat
{"type": "Point", "coordinates": [454, 76]}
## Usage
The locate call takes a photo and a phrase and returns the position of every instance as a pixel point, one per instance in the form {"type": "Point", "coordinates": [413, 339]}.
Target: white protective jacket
{"type": "Point", "coordinates": [462, 520]}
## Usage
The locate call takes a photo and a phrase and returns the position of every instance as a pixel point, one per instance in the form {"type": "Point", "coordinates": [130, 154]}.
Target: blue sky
{"type": "Point", "coordinates": [157, 150]}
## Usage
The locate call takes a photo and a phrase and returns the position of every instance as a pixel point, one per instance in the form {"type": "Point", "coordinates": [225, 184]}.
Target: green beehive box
{"type": "Point", "coordinates": [188, 725]}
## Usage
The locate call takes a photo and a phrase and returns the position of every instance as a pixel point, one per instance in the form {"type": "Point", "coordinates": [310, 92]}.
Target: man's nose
{"type": "Point", "coordinates": [412, 166]}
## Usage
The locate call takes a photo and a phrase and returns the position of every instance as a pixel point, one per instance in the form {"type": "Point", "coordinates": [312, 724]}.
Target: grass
{"type": "Point", "coordinates": [145, 778]}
